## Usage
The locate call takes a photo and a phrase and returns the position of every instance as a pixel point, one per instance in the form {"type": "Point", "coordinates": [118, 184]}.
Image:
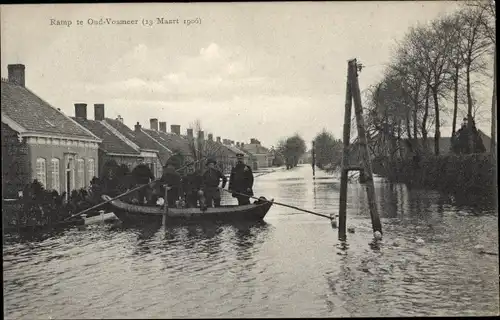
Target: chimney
{"type": "Point", "coordinates": [175, 128]}
{"type": "Point", "coordinates": [201, 135]}
{"type": "Point", "coordinates": [99, 111]}
{"type": "Point", "coordinates": [137, 127]}
{"type": "Point", "coordinates": [153, 124]}
{"type": "Point", "coordinates": [189, 133]}
{"type": "Point", "coordinates": [16, 74]}
{"type": "Point", "coordinates": [119, 118]}
{"type": "Point", "coordinates": [238, 144]}
{"type": "Point", "coordinates": [163, 126]}
{"type": "Point", "coordinates": [218, 139]}
{"type": "Point", "coordinates": [210, 137]}
{"type": "Point", "coordinates": [81, 110]}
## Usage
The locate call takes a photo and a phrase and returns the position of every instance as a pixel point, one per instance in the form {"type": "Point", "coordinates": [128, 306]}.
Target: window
{"type": "Point", "coordinates": [56, 185]}
{"type": "Point", "coordinates": [41, 171]}
{"type": "Point", "coordinates": [80, 173]}
{"type": "Point", "coordinates": [91, 168]}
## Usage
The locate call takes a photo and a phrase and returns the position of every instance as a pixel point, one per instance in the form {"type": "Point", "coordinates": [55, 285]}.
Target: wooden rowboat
{"type": "Point", "coordinates": [139, 214]}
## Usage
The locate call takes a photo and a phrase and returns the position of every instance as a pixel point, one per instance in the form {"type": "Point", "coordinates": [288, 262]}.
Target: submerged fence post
{"type": "Point", "coordinates": [345, 162]}
{"type": "Point", "coordinates": [165, 209]}
{"type": "Point", "coordinates": [367, 166]}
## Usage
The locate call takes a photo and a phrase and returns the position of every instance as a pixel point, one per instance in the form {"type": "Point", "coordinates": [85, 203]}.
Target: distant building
{"type": "Point", "coordinates": [60, 153]}
{"type": "Point", "coordinates": [262, 155]}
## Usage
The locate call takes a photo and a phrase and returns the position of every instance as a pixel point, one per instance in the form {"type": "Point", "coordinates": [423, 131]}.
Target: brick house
{"type": "Point", "coordinates": [61, 154]}
{"type": "Point", "coordinates": [112, 147]}
{"type": "Point", "coordinates": [149, 152]}
{"type": "Point", "coordinates": [262, 155]}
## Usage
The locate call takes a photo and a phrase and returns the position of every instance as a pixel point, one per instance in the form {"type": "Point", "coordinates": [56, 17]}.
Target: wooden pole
{"type": "Point", "coordinates": [313, 160]}
{"type": "Point", "coordinates": [165, 209]}
{"type": "Point", "coordinates": [358, 108]}
{"type": "Point", "coordinates": [345, 161]}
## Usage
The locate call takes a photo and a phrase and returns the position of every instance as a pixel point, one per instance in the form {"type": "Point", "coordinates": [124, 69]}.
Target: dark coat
{"type": "Point", "coordinates": [173, 179]}
{"type": "Point", "coordinates": [192, 182]}
{"type": "Point", "coordinates": [142, 174]}
{"type": "Point", "coordinates": [241, 179]}
{"type": "Point", "coordinates": [212, 177]}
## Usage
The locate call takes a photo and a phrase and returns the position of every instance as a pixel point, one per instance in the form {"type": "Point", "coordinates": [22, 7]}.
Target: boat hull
{"type": "Point", "coordinates": [136, 214]}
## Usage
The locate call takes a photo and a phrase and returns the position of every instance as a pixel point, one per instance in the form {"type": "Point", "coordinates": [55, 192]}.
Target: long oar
{"type": "Point", "coordinates": [125, 193]}
{"type": "Point", "coordinates": [281, 204]}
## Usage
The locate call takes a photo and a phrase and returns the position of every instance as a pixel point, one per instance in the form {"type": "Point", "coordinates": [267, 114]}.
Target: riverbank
{"type": "Point", "coordinates": [469, 176]}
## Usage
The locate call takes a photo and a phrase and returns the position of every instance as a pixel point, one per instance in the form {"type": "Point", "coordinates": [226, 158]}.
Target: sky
{"type": "Point", "coordinates": [245, 70]}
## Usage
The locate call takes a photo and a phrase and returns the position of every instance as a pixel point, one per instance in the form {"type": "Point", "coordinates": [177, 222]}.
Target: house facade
{"type": "Point", "coordinates": [262, 155]}
{"type": "Point", "coordinates": [60, 153]}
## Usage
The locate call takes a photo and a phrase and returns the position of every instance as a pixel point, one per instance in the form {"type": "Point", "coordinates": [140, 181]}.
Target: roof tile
{"type": "Point", "coordinates": [33, 113]}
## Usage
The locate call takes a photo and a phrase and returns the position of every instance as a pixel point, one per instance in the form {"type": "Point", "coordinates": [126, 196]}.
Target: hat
{"type": "Point", "coordinates": [211, 160]}
{"type": "Point", "coordinates": [240, 155]}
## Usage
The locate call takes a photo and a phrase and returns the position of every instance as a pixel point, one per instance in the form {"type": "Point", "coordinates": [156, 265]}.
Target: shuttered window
{"type": "Point", "coordinates": [80, 167]}
{"type": "Point", "coordinates": [91, 168]}
{"type": "Point", "coordinates": [41, 171]}
{"type": "Point", "coordinates": [55, 174]}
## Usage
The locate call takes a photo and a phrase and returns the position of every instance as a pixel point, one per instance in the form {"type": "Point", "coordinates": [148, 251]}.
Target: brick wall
{"type": "Point", "coordinates": [15, 163]}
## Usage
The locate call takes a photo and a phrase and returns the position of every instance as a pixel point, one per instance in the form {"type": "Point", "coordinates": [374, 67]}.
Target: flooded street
{"type": "Point", "coordinates": [286, 267]}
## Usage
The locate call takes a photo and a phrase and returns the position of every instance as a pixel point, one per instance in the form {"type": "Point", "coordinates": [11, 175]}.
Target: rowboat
{"type": "Point", "coordinates": [140, 214]}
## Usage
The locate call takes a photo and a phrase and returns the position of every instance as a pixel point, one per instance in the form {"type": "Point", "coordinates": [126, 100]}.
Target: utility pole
{"type": "Point", "coordinates": [353, 94]}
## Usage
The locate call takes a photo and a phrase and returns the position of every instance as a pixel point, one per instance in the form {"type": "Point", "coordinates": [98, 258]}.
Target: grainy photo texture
{"type": "Point", "coordinates": [238, 160]}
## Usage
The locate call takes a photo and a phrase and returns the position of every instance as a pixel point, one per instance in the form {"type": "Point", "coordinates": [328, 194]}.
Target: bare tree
{"type": "Point", "coordinates": [202, 149]}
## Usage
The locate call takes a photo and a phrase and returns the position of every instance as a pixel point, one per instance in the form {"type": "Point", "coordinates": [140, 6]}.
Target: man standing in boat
{"type": "Point", "coordinates": [192, 184]}
{"type": "Point", "coordinates": [241, 181]}
{"type": "Point", "coordinates": [171, 178]}
{"type": "Point", "coordinates": [210, 180]}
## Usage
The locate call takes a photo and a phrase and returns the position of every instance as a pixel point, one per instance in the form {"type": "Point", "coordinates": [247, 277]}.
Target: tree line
{"type": "Point", "coordinates": [435, 65]}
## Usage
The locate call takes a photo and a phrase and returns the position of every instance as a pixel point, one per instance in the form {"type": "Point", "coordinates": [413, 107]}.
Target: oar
{"type": "Point", "coordinates": [125, 193]}
{"type": "Point", "coordinates": [281, 204]}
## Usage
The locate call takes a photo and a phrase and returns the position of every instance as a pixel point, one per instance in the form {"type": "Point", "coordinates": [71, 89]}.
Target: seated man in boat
{"type": "Point", "coordinates": [241, 181]}
{"type": "Point", "coordinates": [210, 184]}
{"type": "Point", "coordinates": [171, 178]}
{"type": "Point", "coordinates": [192, 182]}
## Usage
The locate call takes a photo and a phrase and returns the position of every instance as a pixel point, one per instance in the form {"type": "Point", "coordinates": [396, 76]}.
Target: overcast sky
{"type": "Point", "coordinates": [263, 70]}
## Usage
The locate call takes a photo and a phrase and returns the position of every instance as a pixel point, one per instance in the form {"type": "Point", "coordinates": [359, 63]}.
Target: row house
{"type": "Point", "coordinates": [173, 141]}
{"type": "Point", "coordinates": [113, 147]}
{"type": "Point", "coordinates": [149, 152]}
{"type": "Point", "coordinates": [59, 152]}
{"type": "Point", "coordinates": [263, 156]}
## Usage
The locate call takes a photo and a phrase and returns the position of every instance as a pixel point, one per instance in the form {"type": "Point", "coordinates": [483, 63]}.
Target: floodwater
{"type": "Point", "coordinates": [286, 267]}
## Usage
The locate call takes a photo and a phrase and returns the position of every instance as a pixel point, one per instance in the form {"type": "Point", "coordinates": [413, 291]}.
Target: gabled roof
{"type": "Point", "coordinates": [164, 151]}
{"type": "Point", "coordinates": [256, 149]}
{"type": "Point", "coordinates": [110, 142]}
{"type": "Point", "coordinates": [35, 115]}
{"type": "Point", "coordinates": [175, 142]}
{"type": "Point", "coordinates": [137, 137]}
{"type": "Point", "coordinates": [234, 150]}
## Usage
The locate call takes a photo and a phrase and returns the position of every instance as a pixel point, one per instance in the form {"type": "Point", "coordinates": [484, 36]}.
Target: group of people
{"type": "Point", "coordinates": [203, 189]}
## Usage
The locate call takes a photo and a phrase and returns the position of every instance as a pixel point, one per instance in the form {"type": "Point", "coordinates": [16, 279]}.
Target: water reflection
{"type": "Point", "coordinates": [288, 266]}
